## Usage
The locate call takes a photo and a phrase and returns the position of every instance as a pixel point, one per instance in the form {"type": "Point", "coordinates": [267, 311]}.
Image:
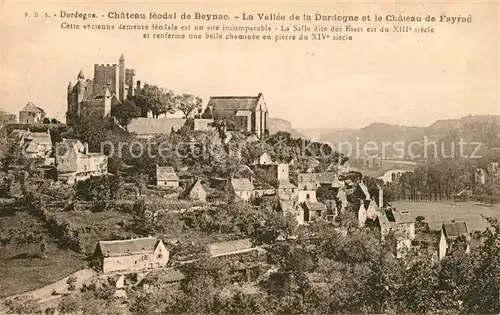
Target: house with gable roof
{"type": "Point", "coordinates": [166, 177]}
{"type": "Point", "coordinates": [131, 255]}
{"type": "Point", "coordinates": [31, 114]}
{"type": "Point", "coordinates": [36, 144]}
{"type": "Point", "coordinates": [243, 188]}
{"type": "Point", "coordinates": [75, 163]}
{"type": "Point", "coordinates": [196, 191]}
{"type": "Point", "coordinates": [247, 114]}
{"type": "Point", "coordinates": [451, 234]}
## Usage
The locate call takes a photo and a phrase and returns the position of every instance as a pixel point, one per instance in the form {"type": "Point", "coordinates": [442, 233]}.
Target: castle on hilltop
{"type": "Point", "coordinates": [111, 85]}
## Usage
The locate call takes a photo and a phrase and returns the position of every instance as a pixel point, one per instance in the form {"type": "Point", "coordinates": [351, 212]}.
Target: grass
{"type": "Point", "coordinates": [436, 213]}
{"type": "Point", "coordinates": [22, 269]}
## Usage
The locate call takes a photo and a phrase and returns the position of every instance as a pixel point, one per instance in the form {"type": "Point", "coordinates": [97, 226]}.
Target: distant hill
{"type": "Point", "coordinates": [483, 128]}
{"type": "Point", "coordinates": [278, 124]}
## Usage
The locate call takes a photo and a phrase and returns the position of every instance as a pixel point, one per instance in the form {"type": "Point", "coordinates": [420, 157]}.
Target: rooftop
{"type": "Point", "coordinates": [128, 247]}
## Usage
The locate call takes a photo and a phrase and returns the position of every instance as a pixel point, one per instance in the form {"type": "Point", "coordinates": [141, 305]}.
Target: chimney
{"type": "Point", "coordinates": [86, 147]}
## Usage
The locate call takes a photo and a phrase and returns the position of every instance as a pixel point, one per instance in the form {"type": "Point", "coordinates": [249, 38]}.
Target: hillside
{"type": "Point", "coordinates": [483, 128]}
{"type": "Point", "coordinates": [278, 124]}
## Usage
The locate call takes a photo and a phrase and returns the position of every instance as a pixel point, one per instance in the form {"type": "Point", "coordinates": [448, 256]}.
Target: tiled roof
{"type": "Point", "coordinates": [42, 138]}
{"type": "Point", "coordinates": [229, 247]}
{"type": "Point", "coordinates": [166, 173]}
{"type": "Point", "coordinates": [151, 126]}
{"type": "Point", "coordinates": [456, 229]}
{"type": "Point", "coordinates": [286, 185]}
{"type": "Point", "coordinates": [233, 103]}
{"type": "Point", "coordinates": [308, 177]}
{"type": "Point", "coordinates": [128, 247]}
{"type": "Point", "coordinates": [327, 178]}
{"type": "Point", "coordinates": [30, 107]}
{"type": "Point", "coordinates": [242, 184]}
{"type": "Point", "coordinates": [193, 185]}
{"type": "Point", "coordinates": [315, 206]}
{"type": "Point", "coordinates": [402, 216]}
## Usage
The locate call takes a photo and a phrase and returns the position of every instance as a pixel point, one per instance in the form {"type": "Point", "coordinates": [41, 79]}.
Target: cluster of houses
{"type": "Point", "coordinates": [70, 157]}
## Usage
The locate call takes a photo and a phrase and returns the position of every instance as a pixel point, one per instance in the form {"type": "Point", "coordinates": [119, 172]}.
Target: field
{"type": "Point", "coordinates": [21, 267]}
{"type": "Point", "coordinates": [436, 213]}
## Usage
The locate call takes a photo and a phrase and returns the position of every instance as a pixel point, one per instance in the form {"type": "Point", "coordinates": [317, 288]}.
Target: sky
{"type": "Point", "coordinates": [403, 79]}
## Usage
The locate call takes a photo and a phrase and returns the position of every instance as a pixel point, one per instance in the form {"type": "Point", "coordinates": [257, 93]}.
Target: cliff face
{"type": "Point", "coordinates": [278, 124]}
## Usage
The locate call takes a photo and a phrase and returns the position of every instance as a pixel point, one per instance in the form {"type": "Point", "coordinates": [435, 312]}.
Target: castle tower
{"type": "Point", "coordinates": [121, 78]}
{"type": "Point", "coordinates": [107, 103]}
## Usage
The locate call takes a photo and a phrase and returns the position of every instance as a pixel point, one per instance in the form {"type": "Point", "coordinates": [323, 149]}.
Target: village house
{"type": "Point", "coordinates": [307, 186]}
{"type": "Point", "coordinates": [451, 235]}
{"type": "Point", "coordinates": [402, 227]}
{"type": "Point", "coordinates": [166, 177]}
{"type": "Point", "coordinates": [480, 176]}
{"type": "Point", "coordinates": [368, 210]}
{"type": "Point", "coordinates": [131, 255]}
{"type": "Point", "coordinates": [75, 163]}
{"type": "Point", "coordinates": [264, 159]}
{"type": "Point", "coordinates": [247, 114]}
{"type": "Point", "coordinates": [314, 211]}
{"type": "Point", "coordinates": [243, 188]}
{"type": "Point", "coordinates": [31, 114]}
{"type": "Point", "coordinates": [36, 144]}
{"type": "Point", "coordinates": [285, 190]}
{"type": "Point", "coordinates": [196, 191]}
{"type": "Point", "coordinates": [292, 207]}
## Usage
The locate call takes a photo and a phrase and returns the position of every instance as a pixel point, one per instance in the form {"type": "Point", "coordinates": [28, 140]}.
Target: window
{"type": "Point", "coordinates": [308, 197]}
{"type": "Point", "coordinates": [160, 256]}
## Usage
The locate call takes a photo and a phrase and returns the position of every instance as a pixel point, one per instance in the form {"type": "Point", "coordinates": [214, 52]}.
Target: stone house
{"type": "Point", "coordinates": [31, 114]}
{"type": "Point", "coordinates": [264, 159]}
{"type": "Point", "coordinates": [160, 279]}
{"type": "Point", "coordinates": [307, 184]}
{"type": "Point", "coordinates": [75, 163]}
{"type": "Point", "coordinates": [36, 144]}
{"type": "Point", "coordinates": [196, 192]}
{"type": "Point", "coordinates": [247, 114]}
{"type": "Point", "coordinates": [243, 188]}
{"type": "Point", "coordinates": [451, 234]}
{"type": "Point", "coordinates": [394, 220]}
{"type": "Point", "coordinates": [166, 177]}
{"type": "Point", "coordinates": [314, 211]}
{"type": "Point", "coordinates": [131, 255]}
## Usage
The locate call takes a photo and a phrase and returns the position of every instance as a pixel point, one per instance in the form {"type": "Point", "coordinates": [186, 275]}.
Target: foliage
{"type": "Point", "coordinates": [125, 112]}
{"type": "Point", "coordinates": [23, 305]}
{"type": "Point", "coordinates": [187, 103]}
{"type": "Point", "coordinates": [155, 99]}
{"type": "Point", "coordinates": [99, 188]}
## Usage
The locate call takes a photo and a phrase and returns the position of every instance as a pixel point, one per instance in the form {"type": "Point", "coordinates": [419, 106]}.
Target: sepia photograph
{"type": "Point", "coordinates": [223, 157]}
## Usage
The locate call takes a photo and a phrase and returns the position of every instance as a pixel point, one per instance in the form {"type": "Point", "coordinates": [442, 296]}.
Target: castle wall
{"type": "Point", "coordinates": [129, 82]}
{"type": "Point", "coordinates": [105, 76]}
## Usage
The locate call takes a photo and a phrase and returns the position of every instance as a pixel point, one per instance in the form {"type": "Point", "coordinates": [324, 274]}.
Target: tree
{"type": "Point", "coordinates": [187, 103]}
{"type": "Point", "coordinates": [155, 99]}
{"type": "Point", "coordinates": [125, 112]}
{"type": "Point", "coordinates": [71, 282]}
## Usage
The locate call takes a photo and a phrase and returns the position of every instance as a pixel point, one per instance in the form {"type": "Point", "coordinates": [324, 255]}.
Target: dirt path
{"type": "Point", "coordinates": [45, 293]}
